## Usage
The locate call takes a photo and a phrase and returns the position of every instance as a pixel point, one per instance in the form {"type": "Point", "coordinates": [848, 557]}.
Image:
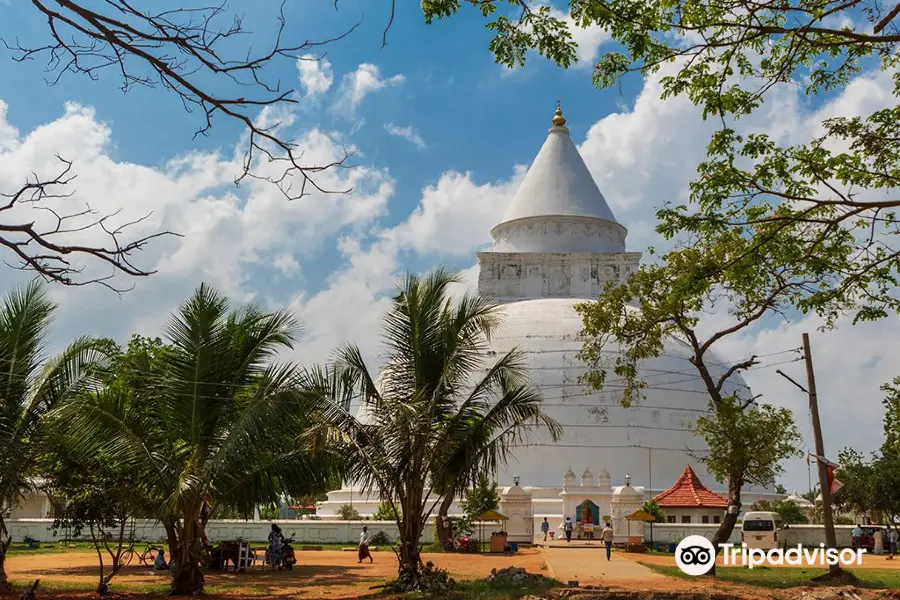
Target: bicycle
{"type": "Point", "coordinates": [146, 557]}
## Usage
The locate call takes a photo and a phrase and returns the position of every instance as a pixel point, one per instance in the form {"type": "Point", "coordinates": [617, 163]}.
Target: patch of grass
{"type": "Point", "coordinates": [787, 577]}
{"type": "Point", "coordinates": [63, 585]}
{"type": "Point", "coordinates": [22, 549]}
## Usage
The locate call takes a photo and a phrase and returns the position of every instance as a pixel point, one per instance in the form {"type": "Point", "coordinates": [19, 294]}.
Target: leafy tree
{"type": "Point", "coordinates": [386, 512]}
{"type": "Point", "coordinates": [788, 510]}
{"type": "Point", "coordinates": [674, 295]}
{"type": "Point", "coordinates": [33, 384]}
{"type": "Point", "coordinates": [870, 485]}
{"type": "Point", "coordinates": [270, 512]}
{"type": "Point", "coordinates": [652, 508]}
{"type": "Point", "coordinates": [891, 443]}
{"type": "Point", "coordinates": [780, 489]}
{"type": "Point", "coordinates": [202, 56]}
{"type": "Point", "coordinates": [223, 426]}
{"type": "Point", "coordinates": [347, 513]}
{"type": "Point", "coordinates": [436, 381]}
{"type": "Point", "coordinates": [97, 494]}
{"type": "Point", "coordinates": [727, 58]}
{"type": "Point", "coordinates": [484, 496]}
{"type": "Point", "coordinates": [746, 447]}
{"type": "Point", "coordinates": [857, 474]}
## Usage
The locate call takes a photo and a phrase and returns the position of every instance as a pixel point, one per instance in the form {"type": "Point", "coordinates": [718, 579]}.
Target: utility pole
{"type": "Point", "coordinates": [827, 517]}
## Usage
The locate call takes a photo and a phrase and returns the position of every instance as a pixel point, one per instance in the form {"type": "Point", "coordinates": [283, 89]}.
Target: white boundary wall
{"type": "Point", "coordinates": [807, 535]}
{"type": "Point", "coordinates": [307, 532]}
{"type": "Point", "coordinates": [347, 532]}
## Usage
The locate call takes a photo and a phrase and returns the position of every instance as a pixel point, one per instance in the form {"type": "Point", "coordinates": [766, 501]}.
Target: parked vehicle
{"type": "Point", "coordinates": [760, 529]}
{"type": "Point", "coordinates": [288, 558]}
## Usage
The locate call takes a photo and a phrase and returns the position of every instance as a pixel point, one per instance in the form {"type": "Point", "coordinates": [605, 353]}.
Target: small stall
{"type": "Point", "coordinates": [498, 538]}
{"type": "Point", "coordinates": [636, 542]}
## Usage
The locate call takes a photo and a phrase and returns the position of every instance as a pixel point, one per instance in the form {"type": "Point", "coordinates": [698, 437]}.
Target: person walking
{"type": "Point", "coordinates": [568, 529]}
{"type": "Point", "coordinates": [607, 536]}
{"type": "Point", "coordinates": [545, 528]}
{"type": "Point", "coordinates": [893, 538]}
{"type": "Point", "coordinates": [364, 546]}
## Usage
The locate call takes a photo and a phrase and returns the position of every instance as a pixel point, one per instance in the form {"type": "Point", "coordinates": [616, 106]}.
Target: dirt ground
{"type": "Point", "coordinates": [337, 575]}
{"type": "Point", "coordinates": [317, 574]}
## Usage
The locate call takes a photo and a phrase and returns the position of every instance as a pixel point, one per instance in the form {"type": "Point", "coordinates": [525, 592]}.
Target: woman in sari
{"type": "Point", "coordinates": [274, 553]}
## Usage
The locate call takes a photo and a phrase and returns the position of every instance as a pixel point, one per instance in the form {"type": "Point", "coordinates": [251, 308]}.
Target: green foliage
{"type": "Point", "coordinates": [870, 485]}
{"type": "Point", "coordinates": [788, 510]}
{"type": "Point", "coordinates": [831, 194]}
{"type": "Point", "coordinates": [748, 445]}
{"type": "Point", "coordinates": [429, 579]}
{"type": "Point", "coordinates": [33, 385]}
{"type": "Point", "coordinates": [780, 489]}
{"type": "Point", "coordinates": [380, 539]}
{"type": "Point", "coordinates": [386, 512]}
{"type": "Point", "coordinates": [425, 418]}
{"type": "Point", "coordinates": [348, 513]}
{"type": "Point", "coordinates": [651, 507]}
{"type": "Point", "coordinates": [891, 443]}
{"type": "Point", "coordinates": [842, 520]}
{"type": "Point", "coordinates": [270, 512]}
{"type": "Point", "coordinates": [207, 419]}
{"type": "Point", "coordinates": [484, 496]}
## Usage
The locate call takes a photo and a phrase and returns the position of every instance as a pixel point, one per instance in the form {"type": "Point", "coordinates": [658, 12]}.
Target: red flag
{"type": "Point", "coordinates": [833, 484]}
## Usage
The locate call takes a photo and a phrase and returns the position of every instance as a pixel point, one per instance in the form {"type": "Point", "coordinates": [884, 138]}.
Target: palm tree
{"type": "Point", "coordinates": [437, 413]}
{"type": "Point", "coordinates": [222, 427]}
{"type": "Point", "coordinates": [31, 384]}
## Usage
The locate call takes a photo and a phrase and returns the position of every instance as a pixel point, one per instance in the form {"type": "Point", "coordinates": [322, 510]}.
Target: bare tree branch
{"type": "Point", "coordinates": [48, 248]}
{"type": "Point", "coordinates": [191, 52]}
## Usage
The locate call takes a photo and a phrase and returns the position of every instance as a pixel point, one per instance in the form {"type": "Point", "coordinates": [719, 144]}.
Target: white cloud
{"type": "Point", "coordinates": [231, 235]}
{"type": "Point", "coordinates": [316, 75]}
{"type": "Point", "coordinates": [407, 133]}
{"type": "Point", "coordinates": [357, 85]}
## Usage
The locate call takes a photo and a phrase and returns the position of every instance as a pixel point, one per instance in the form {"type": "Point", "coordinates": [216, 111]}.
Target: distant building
{"type": "Point", "coordinates": [689, 501]}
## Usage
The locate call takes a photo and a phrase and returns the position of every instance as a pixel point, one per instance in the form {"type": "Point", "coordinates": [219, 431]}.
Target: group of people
{"type": "Point", "coordinates": [889, 539]}
{"type": "Point", "coordinates": [606, 535]}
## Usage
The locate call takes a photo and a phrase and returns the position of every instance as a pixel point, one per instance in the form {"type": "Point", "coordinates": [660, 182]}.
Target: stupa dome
{"type": "Point", "coordinates": [556, 247]}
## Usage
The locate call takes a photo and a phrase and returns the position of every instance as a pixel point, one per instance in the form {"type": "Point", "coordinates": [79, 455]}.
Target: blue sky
{"type": "Point", "coordinates": [333, 259]}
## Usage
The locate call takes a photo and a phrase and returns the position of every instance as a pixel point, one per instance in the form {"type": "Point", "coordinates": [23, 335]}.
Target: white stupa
{"type": "Point", "coordinates": [555, 247]}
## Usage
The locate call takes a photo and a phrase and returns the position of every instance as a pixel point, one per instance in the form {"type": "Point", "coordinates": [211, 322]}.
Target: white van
{"type": "Point", "coordinates": [760, 530]}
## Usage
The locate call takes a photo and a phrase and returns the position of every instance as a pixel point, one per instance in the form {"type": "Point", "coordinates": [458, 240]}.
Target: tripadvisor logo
{"type": "Point", "coordinates": [695, 556]}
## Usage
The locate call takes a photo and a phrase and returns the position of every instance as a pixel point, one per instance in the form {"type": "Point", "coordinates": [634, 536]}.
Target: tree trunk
{"type": "Point", "coordinates": [5, 587]}
{"type": "Point", "coordinates": [171, 537]}
{"type": "Point", "coordinates": [727, 526]}
{"type": "Point", "coordinates": [102, 587]}
{"type": "Point", "coordinates": [443, 524]}
{"type": "Point", "coordinates": [409, 567]}
{"type": "Point", "coordinates": [188, 580]}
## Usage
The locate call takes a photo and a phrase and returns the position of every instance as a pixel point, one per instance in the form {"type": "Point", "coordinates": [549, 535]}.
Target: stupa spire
{"type": "Point", "coordinates": [559, 188]}
{"type": "Point", "coordinates": [558, 119]}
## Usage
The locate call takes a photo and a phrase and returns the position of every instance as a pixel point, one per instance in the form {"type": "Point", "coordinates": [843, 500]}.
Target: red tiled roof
{"type": "Point", "coordinates": [688, 492]}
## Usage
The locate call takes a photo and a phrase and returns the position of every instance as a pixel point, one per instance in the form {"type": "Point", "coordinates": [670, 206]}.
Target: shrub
{"type": "Point", "coordinates": [380, 539]}
{"type": "Point", "coordinates": [348, 513]}
{"type": "Point", "coordinates": [432, 580]}
{"type": "Point", "coordinates": [386, 512]}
